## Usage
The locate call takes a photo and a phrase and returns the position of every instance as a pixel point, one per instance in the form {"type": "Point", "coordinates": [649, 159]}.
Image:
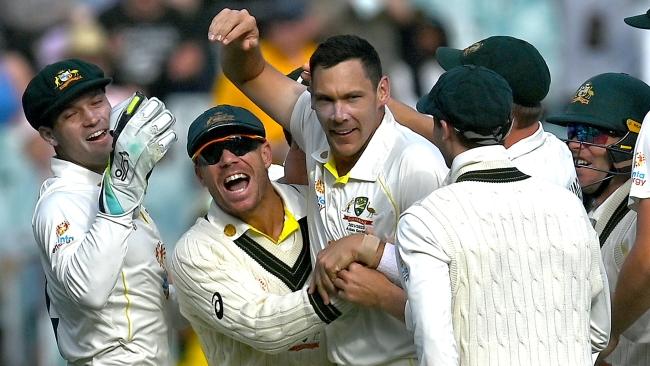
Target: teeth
{"type": "Point", "coordinates": [582, 162]}
{"type": "Point", "coordinates": [235, 176]}
{"type": "Point", "coordinates": [96, 134]}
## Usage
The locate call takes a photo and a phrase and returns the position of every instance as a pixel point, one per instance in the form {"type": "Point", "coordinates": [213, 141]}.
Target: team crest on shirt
{"type": "Point", "coordinates": [65, 77]}
{"type": "Point", "coordinates": [358, 214]}
{"type": "Point", "coordinates": [584, 94]}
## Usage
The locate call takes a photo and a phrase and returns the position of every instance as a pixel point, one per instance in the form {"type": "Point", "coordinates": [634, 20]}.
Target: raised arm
{"type": "Point", "coordinates": [242, 62]}
{"type": "Point", "coordinates": [419, 123]}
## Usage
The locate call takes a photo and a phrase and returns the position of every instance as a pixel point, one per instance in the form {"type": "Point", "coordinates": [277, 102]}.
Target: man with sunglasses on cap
{"type": "Point", "coordinates": [603, 120]}
{"type": "Point", "coordinates": [241, 271]}
{"type": "Point", "coordinates": [500, 268]}
{"type": "Point", "coordinates": [104, 262]}
{"type": "Point", "coordinates": [631, 297]}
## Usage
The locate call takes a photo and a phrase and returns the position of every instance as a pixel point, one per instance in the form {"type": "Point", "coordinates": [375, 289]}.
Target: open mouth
{"type": "Point", "coordinates": [582, 163]}
{"type": "Point", "coordinates": [97, 135]}
{"type": "Point", "coordinates": [236, 182]}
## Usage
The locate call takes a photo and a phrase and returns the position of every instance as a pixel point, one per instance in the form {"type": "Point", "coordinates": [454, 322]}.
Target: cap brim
{"type": "Point", "coordinates": [449, 58]}
{"type": "Point", "coordinates": [222, 130]}
{"type": "Point", "coordinates": [638, 21]}
{"type": "Point", "coordinates": [78, 90]}
{"type": "Point", "coordinates": [566, 118]}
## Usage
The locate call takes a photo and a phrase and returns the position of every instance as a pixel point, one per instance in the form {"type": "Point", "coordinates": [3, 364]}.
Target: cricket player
{"type": "Point", "coordinates": [500, 268]}
{"type": "Point", "coordinates": [533, 150]}
{"type": "Point", "coordinates": [103, 259]}
{"type": "Point", "coordinates": [603, 120]}
{"type": "Point", "coordinates": [364, 169]}
{"type": "Point", "coordinates": [241, 271]}
{"type": "Point", "coordinates": [631, 299]}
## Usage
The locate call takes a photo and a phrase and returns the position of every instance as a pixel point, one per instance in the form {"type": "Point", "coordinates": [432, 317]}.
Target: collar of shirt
{"type": "Point", "coordinates": [479, 158]}
{"type": "Point", "coordinates": [233, 227]}
{"type": "Point", "coordinates": [369, 165]}
{"type": "Point", "coordinates": [68, 170]}
{"type": "Point", "coordinates": [528, 144]}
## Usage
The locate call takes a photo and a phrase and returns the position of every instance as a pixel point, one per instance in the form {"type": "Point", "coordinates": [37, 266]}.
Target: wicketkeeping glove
{"type": "Point", "coordinates": [141, 137]}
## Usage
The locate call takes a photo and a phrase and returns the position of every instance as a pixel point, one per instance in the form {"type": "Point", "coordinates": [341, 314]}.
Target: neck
{"type": "Point", "coordinates": [518, 133]}
{"type": "Point", "coordinates": [614, 184]}
{"type": "Point", "coordinates": [268, 216]}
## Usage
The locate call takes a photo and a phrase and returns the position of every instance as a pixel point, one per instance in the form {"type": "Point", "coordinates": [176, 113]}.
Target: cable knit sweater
{"type": "Point", "coordinates": [523, 267]}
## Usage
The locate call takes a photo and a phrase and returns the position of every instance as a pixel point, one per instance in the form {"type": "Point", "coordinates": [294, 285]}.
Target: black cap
{"type": "Point", "coordinates": [475, 100]}
{"type": "Point", "coordinates": [220, 121]}
{"type": "Point", "coordinates": [516, 60]}
{"type": "Point", "coordinates": [56, 86]}
{"type": "Point", "coordinates": [639, 21]}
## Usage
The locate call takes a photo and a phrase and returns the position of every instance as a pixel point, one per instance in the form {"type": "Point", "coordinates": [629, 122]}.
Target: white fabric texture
{"type": "Point", "coordinates": [639, 190]}
{"type": "Point", "coordinates": [634, 343]}
{"type": "Point", "coordinates": [105, 275]}
{"type": "Point", "coordinates": [524, 282]}
{"type": "Point", "coordinates": [542, 155]}
{"type": "Point", "coordinates": [396, 169]}
{"type": "Point", "coordinates": [243, 313]}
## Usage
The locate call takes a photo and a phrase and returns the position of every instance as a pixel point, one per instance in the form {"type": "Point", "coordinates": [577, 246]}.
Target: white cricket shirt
{"type": "Point", "coordinates": [640, 189]}
{"type": "Point", "coordinates": [544, 156]}
{"type": "Point", "coordinates": [106, 277]}
{"type": "Point", "coordinates": [511, 261]}
{"type": "Point", "coordinates": [246, 296]}
{"type": "Point", "coordinates": [396, 169]}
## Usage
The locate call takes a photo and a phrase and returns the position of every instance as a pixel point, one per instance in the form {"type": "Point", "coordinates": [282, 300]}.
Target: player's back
{"type": "Point", "coordinates": [524, 269]}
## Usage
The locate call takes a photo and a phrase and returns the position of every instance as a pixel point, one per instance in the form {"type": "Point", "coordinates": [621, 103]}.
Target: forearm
{"type": "Point", "coordinates": [241, 65]}
{"type": "Point", "coordinates": [89, 269]}
{"type": "Point", "coordinates": [631, 298]}
{"type": "Point", "coordinates": [419, 123]}
{"type": "Point", "coordinates": [394, 302]}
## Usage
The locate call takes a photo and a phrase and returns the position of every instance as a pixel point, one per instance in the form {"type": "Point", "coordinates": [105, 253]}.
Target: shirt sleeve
{"type": "Point", "coordinates": [84, 250]}
{"type": "Point", "coordinates": [425, 271]}
{"type": "Point", "coordinates": [217, 290]}
{"type": "Point", "coordinates": [639, 190]}
{"type": "Point", "coordinates": [600, 315]}
{"type": "Point", "coordinates": [422, 170]}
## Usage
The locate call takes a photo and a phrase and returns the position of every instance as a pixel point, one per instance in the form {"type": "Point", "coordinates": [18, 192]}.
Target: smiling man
{"type": "Point", "coordinates": [241, 271]}
{"type": "Point", "coordinates": [364, 168]}
{"type": "Point", "coordinates": [104, 262]}
{"type": "Point", "coordinates": [603, 121]}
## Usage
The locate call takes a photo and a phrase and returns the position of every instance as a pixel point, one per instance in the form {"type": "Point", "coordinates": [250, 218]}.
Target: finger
{"type": "Point", "coordinates": [166, 140]}
{"type": "Point", "coordinates": [130, 109]}
{"type": "Point", "coordinates": [312, 286]}
{"type": "Point", "coordinates": [162, 122]}
{"type": "Point", "coordinates": [221, 24]}
{"type": "Point", "coordinates": [247, 30]}
{"type": "Point", "coordinates": [323, 293]}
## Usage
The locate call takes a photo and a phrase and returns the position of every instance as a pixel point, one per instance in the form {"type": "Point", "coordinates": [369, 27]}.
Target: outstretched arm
{"type": "Point", "coordinates": [242, 62]}
{"type": "Point", "coordinates": [422, 124]}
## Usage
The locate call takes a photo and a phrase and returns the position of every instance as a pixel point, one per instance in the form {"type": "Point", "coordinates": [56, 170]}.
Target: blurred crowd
{"type": "Point", "coordinates": [161, 48]}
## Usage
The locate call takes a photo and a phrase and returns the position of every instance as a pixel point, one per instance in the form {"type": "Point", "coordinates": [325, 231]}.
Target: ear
{"type": "Point", "coordinates": [47, 134]}
{"type": "Point", "coordinates": [446, 129]}
{"type": "Point", "coordinates": [267, 154]}
{"type": "Point", "coordinates": [383, 90]}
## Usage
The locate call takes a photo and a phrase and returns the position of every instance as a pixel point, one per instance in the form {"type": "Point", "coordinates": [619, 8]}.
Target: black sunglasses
{"type": "Point", "coordinates": [240, 145]}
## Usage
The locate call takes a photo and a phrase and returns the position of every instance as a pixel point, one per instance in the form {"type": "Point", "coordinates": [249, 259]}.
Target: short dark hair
{"type": "Point", "coordinates": [337, 49]}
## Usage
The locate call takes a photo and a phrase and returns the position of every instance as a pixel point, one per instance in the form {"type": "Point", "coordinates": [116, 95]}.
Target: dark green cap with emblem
{"type": "Point", "coordinates": [475, 100]}
{"type": "Point", "coordinates": [220, 121]}
{"type": "Point", "coordinates": [639, 21]}
{"type": "Point", "coordinates": [56, 86]}
{"type": "Point", "coordinates": [516, 60]}
{"type": "Point", "coordinates": [612, 102]}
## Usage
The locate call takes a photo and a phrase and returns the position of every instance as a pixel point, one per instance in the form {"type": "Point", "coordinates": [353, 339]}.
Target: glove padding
{"type": "Point", "coordinates": [141, 137]}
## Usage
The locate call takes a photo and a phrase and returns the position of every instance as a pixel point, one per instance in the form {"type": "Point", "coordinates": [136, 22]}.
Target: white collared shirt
{"type": "Point", "coordinates": [396, 169]}
{"type": "Point", "coordinates": [106, 276]}
{"type": "Point", "coordinates": [639, 190]}
{"type": "Point", "coordinates": [544, 156]}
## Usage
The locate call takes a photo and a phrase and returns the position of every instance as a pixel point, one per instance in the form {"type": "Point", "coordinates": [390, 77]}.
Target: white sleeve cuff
{"type": "Point", "coordinates": [388, 265]}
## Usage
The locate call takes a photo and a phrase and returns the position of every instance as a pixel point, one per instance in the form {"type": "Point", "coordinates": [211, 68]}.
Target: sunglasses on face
{"type": "Point", "coordinates": [583, 133]}
{"type": "Point", "coordinates": [210, 153]}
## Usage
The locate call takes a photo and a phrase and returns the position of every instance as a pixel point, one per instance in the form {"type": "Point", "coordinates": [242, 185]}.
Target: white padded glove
{"type": "Point", "coordinates": [141, 137]}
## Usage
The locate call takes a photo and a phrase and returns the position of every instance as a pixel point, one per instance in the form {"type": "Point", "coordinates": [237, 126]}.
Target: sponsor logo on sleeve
{"type": "Point", "coordinates": [61, 237]}
{"type": "Point", "coordinates": [639, 172]}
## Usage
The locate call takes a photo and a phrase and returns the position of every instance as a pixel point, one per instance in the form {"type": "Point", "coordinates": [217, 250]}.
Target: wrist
{"type": "Point", "coordinates": [367, 252]}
